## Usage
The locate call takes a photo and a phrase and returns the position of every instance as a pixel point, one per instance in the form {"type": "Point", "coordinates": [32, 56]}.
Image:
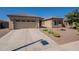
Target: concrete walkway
{"type": "Point", "coordinates": [18, 38]}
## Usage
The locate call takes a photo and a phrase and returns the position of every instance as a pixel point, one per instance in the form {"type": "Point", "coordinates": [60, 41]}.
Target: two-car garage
{"type": "Point", "coordinates": [24, 21]}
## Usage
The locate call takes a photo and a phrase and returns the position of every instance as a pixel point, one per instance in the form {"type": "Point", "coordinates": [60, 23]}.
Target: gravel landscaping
{"type": "Point", "coordinates": [66, 35]}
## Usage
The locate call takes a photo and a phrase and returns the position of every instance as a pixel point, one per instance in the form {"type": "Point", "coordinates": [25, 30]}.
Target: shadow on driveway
{"type": "Point", "coordinates": [44, 42]}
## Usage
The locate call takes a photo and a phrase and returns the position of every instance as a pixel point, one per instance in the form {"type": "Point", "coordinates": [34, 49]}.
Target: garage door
{"type": "Point", "coordinates": [20, 25]}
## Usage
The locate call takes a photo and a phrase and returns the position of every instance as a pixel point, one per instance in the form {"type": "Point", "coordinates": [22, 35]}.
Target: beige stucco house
{"type": "Point", "coordinates": [19, 21]}
{"type": "Point", "coordinates": [53, 22]}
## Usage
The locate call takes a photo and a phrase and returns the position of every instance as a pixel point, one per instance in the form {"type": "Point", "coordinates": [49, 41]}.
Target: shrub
{"type": "Point", "coordinates": [63, 25]}
{"type": "Point", "coordinates": [77, 24]}
{"type": "Point", "coordinates": [74, 27]}
{"type": "Point", "coordinates": [50, 32]}
{"type": "Point", "coordinates": [63, 29]}
{"type": "Point", "coordinates": [56, 34]}
{"type": "Point", "coordinates": [45, 29]}
{"type": "Point", "coordinates": [78, 28]}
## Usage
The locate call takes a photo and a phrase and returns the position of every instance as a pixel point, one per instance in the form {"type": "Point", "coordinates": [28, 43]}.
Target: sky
{"type": "Point", "coordinates": [45, 12]}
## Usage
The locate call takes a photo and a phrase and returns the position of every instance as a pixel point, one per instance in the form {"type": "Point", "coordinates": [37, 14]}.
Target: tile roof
{"type": "Point", "coordinates": [58, 18]}
{"type": "Point", "coordinates": [23, 15]}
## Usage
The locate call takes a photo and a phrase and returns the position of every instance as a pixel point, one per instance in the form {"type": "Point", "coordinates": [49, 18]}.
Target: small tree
{"type": "Point", "coordinates": [73, 17]}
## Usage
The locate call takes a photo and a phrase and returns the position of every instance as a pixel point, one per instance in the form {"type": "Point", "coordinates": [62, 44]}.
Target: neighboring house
{"type": "Point", "coordinates": [4, 24]}
{"type": "Point", "coordinates": [20, 21]}
{"type": "Point", "coordinates": [52, 22]}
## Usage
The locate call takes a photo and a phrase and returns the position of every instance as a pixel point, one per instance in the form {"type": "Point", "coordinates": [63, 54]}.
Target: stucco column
{"type": "Point", "coordinates": [11, 26]}
{"type": "Point", "coordinates": [38, 24]}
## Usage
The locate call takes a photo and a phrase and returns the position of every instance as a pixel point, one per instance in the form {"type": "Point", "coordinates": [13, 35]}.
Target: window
{"type": "Point", "coordinates": [23, 20]}
{"type": "Point", "coordinates": [31, 21]}
{"type": "Point", "coordinates": [20, 21]}
{"type": "Point", "coordinates": [17, 20]}
{"type": "Point", "coordinates": [28, 20]}
{"type": "Point", "coordinates": [55, 23]}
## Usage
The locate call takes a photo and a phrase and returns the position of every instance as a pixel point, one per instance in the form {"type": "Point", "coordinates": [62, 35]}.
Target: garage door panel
{"type": "Point", "coordinates": [19, 25]}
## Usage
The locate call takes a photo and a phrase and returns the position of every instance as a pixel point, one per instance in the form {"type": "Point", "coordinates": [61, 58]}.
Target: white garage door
{"type": "Point", "coordinates": [20, 25]}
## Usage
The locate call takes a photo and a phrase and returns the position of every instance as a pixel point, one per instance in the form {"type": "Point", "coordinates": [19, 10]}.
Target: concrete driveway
{"type": "Point", "coordinates": [3, 32]}
{"type": "Point", "coordinates": [18, 38]}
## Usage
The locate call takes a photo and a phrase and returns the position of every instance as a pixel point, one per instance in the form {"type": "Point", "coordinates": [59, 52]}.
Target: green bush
{"type": "Point", "coordinates": [45, 29]}
{"type": "Point", "coordinates": [78, 28]}
{"type": "Point", "coordinates": [63, 29]}
{"type": "Point", "coordinates": [74, 27]}
{"type": "Point", "coordinates": [50, 32]}
{"type": "Point", "coordinates": [77, 24]}
{"type": "Point", "coordinates": [56, 34]}
{"type": "Point", "coordinates": [63, 25]}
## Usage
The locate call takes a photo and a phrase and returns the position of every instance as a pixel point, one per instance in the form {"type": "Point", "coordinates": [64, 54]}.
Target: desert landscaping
{"type": "Point", "coordinates": [64, 35]}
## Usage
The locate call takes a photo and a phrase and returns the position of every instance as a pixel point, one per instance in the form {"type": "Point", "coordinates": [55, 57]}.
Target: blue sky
{"type": "Point", "coordinates": [38, 11]}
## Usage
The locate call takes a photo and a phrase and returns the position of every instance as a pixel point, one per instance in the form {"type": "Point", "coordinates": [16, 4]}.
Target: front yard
{"type": "Point", "coordinates": [62, 36]}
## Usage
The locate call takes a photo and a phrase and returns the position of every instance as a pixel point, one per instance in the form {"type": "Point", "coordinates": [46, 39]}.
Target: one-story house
{"type": "Point", "coordinates": [4, 24]}
{"type": "Point", "coordinates": [20, 21]}
{"type": "Point", "coordinates": [53, 22]}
